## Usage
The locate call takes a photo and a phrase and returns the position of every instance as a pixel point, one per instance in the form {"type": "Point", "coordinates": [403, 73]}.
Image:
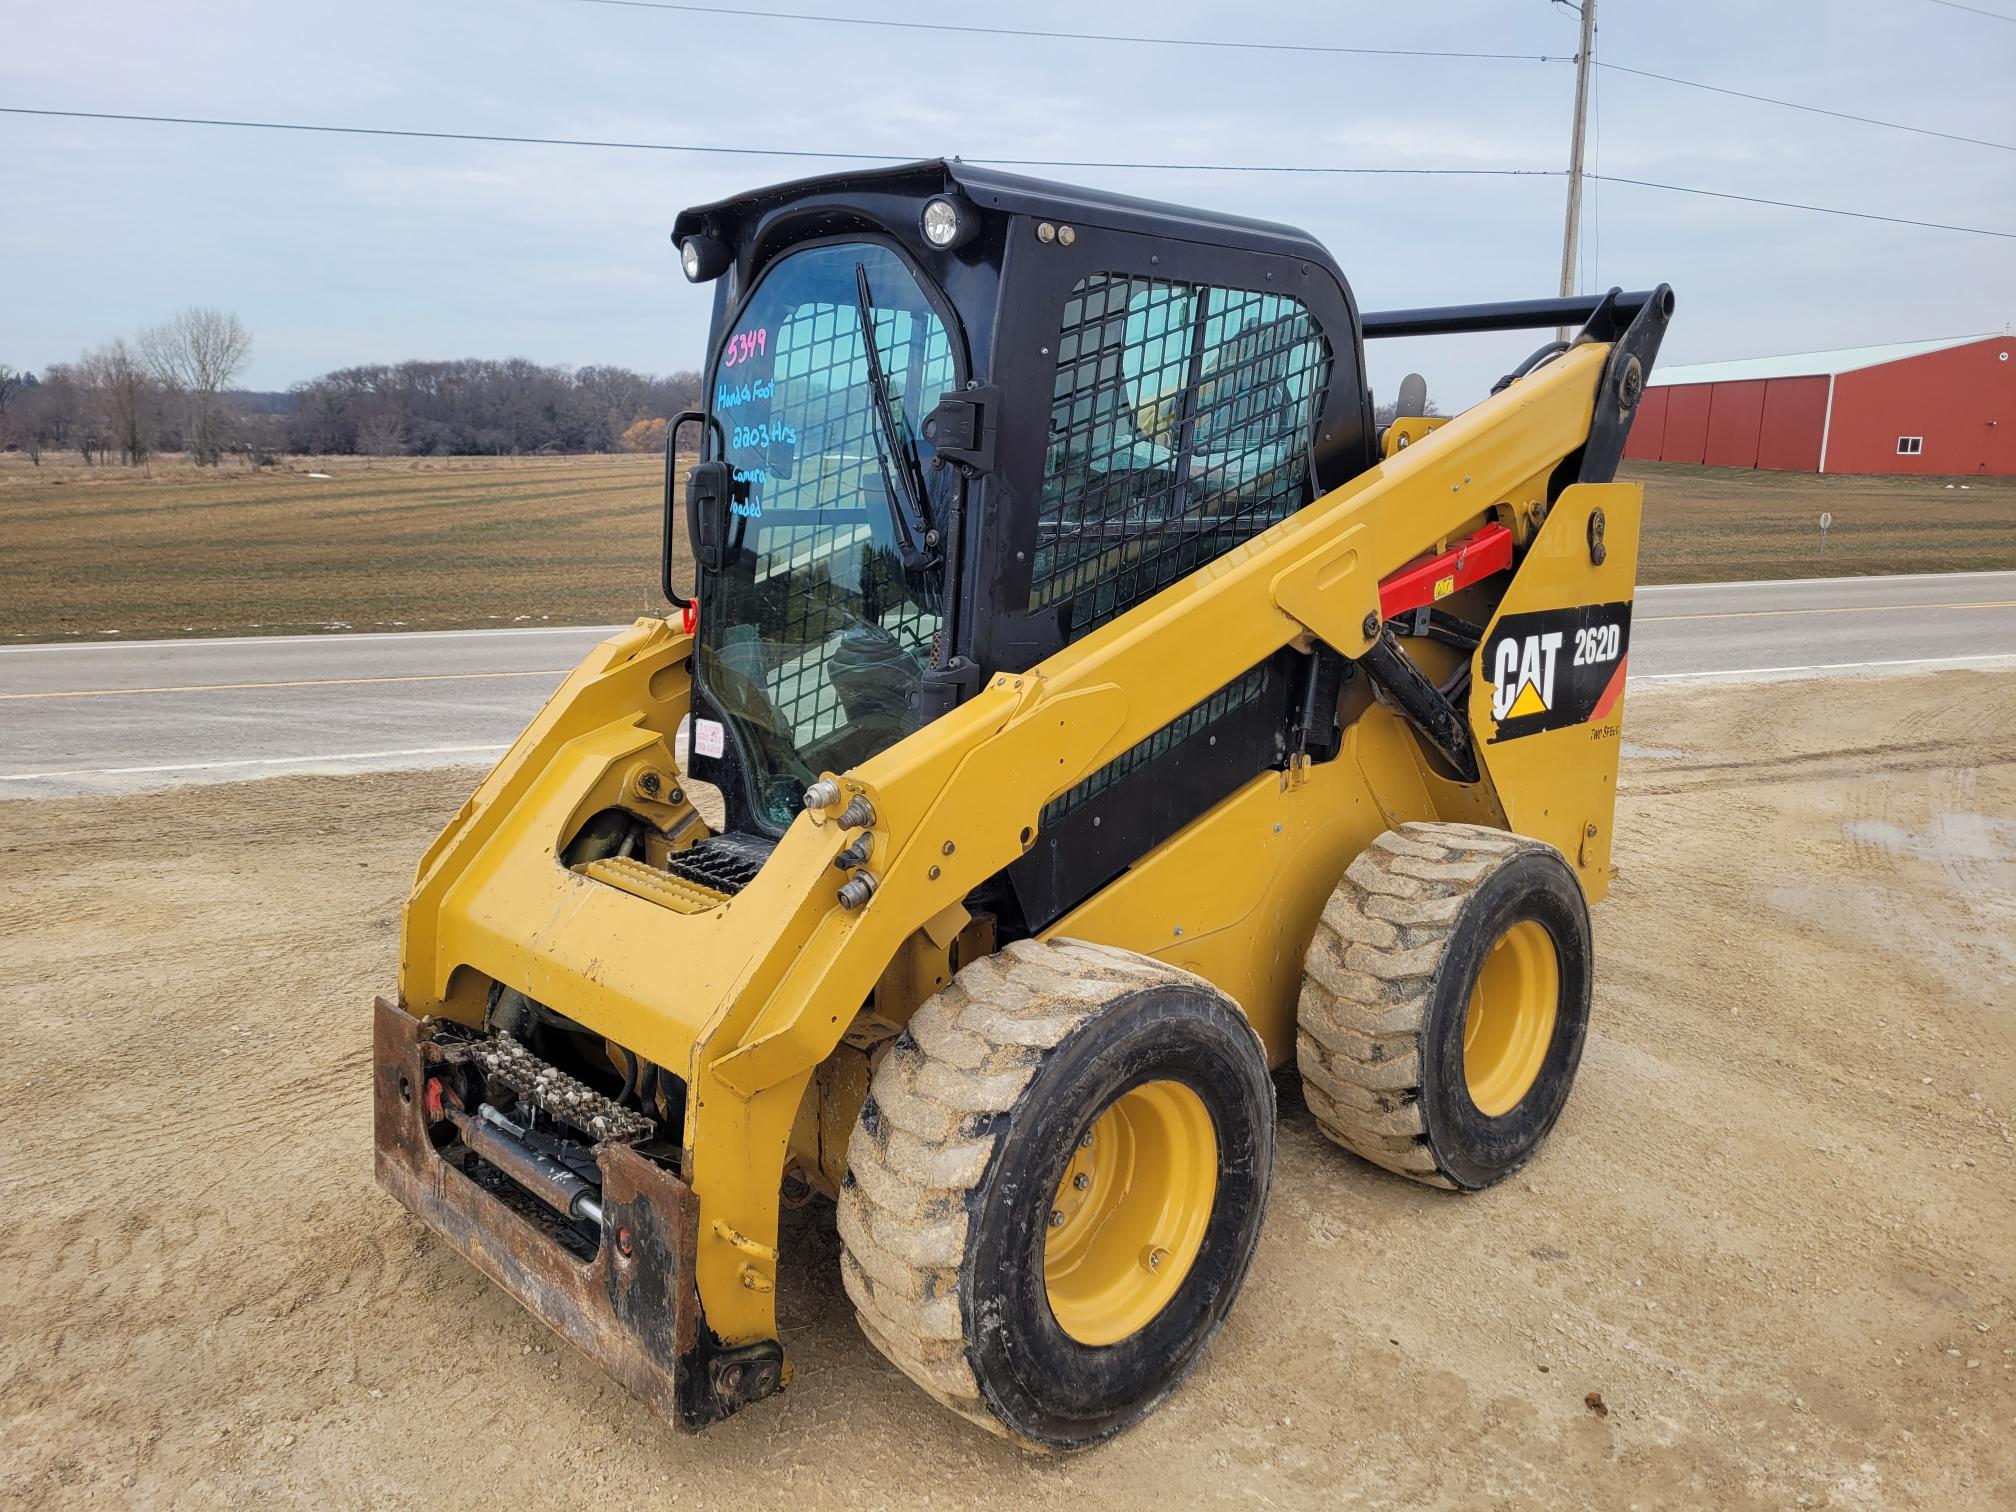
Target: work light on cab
{"type": "Point", "coordinates": [946, 226]}
{"type": "Point", "coordinates": [703, 258]}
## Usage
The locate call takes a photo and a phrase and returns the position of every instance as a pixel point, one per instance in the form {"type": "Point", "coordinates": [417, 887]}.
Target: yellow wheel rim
{"type": "Point", "coordinates": [1510, 1021]}
{"type": "Point", "coordinates": [1129, 1216]}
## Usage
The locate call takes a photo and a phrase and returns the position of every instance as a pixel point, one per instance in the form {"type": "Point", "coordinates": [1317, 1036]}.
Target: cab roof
{"type": "Point", "coordinates": [1010, 193]}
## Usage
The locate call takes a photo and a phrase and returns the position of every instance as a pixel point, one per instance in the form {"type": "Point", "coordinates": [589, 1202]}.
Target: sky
{"type": "Point", "coordinates": [340, 250]}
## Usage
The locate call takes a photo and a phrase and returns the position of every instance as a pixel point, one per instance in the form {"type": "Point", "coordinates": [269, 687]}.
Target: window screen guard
{"type": "Point", "coordinates": [1181, 425]}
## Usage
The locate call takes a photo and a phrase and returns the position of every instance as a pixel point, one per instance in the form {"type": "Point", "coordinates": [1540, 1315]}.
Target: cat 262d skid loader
{"type": "Point", "coordinates": [1094, 713]}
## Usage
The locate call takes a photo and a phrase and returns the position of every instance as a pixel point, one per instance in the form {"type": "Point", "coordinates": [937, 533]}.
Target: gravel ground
{"type": "Point", "coordinates": [1768, 1259]}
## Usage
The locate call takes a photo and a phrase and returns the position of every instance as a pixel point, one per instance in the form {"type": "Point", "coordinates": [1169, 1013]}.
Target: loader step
{"type": "Point", "coordinates": [726, 863]}
{"type": "Point", "coordinates": [634, 876]}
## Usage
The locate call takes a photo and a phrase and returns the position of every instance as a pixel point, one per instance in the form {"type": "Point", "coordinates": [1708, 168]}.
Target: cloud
{"type": "Point", "coordinates": [338, 250]}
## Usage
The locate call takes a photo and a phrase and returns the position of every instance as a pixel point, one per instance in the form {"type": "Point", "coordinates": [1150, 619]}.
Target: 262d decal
{"type": "Point", "coordinates": [1555, 667]}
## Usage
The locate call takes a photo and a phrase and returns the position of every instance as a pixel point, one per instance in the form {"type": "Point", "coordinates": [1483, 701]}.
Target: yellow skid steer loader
{"type": "Point", "coordinates": [1093, 712]}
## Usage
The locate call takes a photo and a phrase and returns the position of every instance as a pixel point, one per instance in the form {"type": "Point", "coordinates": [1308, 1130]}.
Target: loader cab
{"type": "Point", "coordinates": [956, 420]}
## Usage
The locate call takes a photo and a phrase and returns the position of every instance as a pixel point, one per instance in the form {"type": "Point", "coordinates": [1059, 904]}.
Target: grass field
{"type": "Point", "coordinates": [1714, 524]}
{"type": "Point", "coordinates": [434, 544]}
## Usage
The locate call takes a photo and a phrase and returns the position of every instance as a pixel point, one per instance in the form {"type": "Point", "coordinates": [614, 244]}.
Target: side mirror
{"type": "Point", "coordinates": [679, 422]}
{"type": "Point", "coordinates": [709, 487]}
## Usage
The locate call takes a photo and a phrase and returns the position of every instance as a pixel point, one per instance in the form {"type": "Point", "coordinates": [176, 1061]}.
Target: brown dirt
{"type": "Point", "coordinates": [1774, 1236]}
{"type": "Point", "coordinates": [441, 543]}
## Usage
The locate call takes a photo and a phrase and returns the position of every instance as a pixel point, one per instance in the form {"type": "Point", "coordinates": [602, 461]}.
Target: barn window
{"type": "Point", "coordinates": [1910, 446]}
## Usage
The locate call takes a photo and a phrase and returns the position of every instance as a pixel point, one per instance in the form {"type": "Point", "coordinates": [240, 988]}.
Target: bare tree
{"type": "Point", "coordinates": [45, 414]}
{"type": "Point", "coordinates": [11, 383]}
{"type": "Point", "coordinates": [125, 397]}
{"type": "Point", "coordinates": [382, 434]}
{"type": "Point", "coordinates": [197, 353]}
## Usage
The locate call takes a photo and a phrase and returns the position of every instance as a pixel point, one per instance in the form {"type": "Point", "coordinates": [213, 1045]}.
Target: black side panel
{"type": "Point", "coordinates": [1098, 829]}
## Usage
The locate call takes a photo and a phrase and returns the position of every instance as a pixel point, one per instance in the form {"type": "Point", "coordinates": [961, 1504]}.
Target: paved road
{"type": "Point", "coordinates": [111, 716]}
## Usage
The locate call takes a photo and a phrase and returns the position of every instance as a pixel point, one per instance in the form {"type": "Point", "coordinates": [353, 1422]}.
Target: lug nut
{"type": "Point", "coordinates": [1081, 1181]}
{"type": "Point", "coordinates": [1085, 1140]}
{"type": "Point", "coordinates": [1056, 1217]}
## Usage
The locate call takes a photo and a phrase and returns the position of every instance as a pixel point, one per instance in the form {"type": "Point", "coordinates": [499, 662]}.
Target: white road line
{"type": "Point", "coordinates": [1872, 577]}
{"type": "Point", "coordinates": [337, 637]}
{"type": "Point", "coordinates": [1710, 614]}
{"type": "Point", "coordinates": [1737, 673]}
{"type": "Point", "coordinates": [299, 682]}
{"type": "Point", "coordinates": [257, 761]}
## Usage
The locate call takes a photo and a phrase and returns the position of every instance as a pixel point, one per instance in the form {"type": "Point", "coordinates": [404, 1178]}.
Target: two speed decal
{"type": "Point", "coordinates": [1556, 667]}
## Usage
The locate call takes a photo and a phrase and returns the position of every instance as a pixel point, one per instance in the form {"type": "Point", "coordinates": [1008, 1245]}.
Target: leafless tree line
{"type": "Point", "coordinates": [170, 389]}
{"type": "Point", "coordinates": [483, 407]}
{"type": "Point", "coordinates": [125, 399]}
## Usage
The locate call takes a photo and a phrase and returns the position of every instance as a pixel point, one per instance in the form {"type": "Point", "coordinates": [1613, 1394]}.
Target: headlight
{"type": "Point", "coordinates": [948, 225]}
{"type": "Point", "coordinates": [703, 257]}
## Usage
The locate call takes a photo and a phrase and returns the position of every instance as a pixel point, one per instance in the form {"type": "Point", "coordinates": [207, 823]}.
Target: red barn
{"type": "Point", "coordinates": [1943, 407]}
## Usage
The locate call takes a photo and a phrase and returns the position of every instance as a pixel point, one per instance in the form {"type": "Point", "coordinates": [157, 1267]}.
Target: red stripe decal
{"type": "Point", "coordinates": [1611, 693]}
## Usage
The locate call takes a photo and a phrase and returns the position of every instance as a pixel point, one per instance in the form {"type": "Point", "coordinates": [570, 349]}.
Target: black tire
{"type": "Point", "coordinates": [1387, 989]}
{"type": "Point", "coordinates": [972, 1120]}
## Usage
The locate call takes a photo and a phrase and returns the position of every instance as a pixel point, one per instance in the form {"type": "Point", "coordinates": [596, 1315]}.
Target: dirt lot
{"type": "Point", "coordinates": [1775, 1232]}
{"type": "Point", "coordinates": [439, 543]}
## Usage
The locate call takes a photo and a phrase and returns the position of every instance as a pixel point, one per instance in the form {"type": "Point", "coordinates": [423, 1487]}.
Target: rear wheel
{"type": "Point", "coordinates": [1444, 1002]}
{"type": "Point", "coordinates": [1055, 1188]}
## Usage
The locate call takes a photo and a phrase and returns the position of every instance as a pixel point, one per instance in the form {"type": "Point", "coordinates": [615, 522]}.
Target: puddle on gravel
{"type": "Point", "coordinates": [1972, 840]}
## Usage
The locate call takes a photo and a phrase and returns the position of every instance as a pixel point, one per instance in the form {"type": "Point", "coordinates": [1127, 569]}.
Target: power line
{"type": "Point", "coordinates": [1067, 36]}
{"type": "Point", "coordinates": [1299, 47]}
{"type": "Point", "coordinates": [1006, 162]}
{"type": "Point", "coordinates": [1839, 115]}
{"type": "Point", "coordinates": [1975, 9]}
{"type": "Point", "coordinates": [1753, 199]}
{"type": "Point", "coordinates": [890, 158]}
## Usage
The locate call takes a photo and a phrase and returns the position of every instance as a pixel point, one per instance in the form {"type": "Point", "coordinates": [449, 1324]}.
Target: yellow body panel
{"type": "Point", "coordinates": [1561, 785]}
{"type": "Point", "coordinates": [749, 998]}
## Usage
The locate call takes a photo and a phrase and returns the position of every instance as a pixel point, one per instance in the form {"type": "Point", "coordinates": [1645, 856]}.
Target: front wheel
{"type": "Point", "coordinates": [1444, 1002]}
{"type": "Point", "coordinates": [1055, 1187]}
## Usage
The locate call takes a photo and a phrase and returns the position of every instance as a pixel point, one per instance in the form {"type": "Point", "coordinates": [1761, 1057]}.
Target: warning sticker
{"type": "Point", "coordinates": [708, 737]}
{"type": "Point", "coordinates": [1556, 667]}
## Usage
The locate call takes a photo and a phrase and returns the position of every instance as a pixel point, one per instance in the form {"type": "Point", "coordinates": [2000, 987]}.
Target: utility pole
{"type": "Point", "coordinates": [1571, 234]}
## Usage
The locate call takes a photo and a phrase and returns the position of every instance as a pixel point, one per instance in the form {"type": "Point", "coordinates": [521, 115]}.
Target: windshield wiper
{"type": "Point", "coordinates": [906, 492]}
